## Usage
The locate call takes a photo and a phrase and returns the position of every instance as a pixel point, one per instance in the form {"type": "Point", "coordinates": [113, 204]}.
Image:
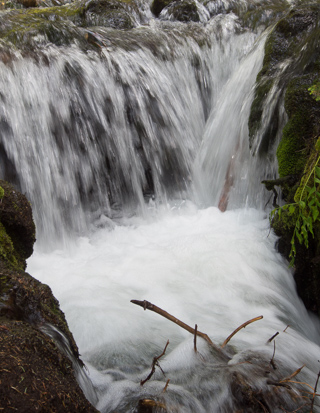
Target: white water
{"type": "Point", "coordinates": [213, 269]}
{"type": "Point", "coordinates": [209, 268]}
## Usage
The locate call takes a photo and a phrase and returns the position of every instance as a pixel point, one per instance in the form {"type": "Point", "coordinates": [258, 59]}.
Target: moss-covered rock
{"type": "Point", "coordinates": [291, 66]}
{"type": "Point", "coordinates": [35, 374]}
{"type": "Point", "coordinates": [64, 25]}
{"type": "Point", "coordinates": [291, 63]}
{"type": "Point", "coordinates": [185, 11]}
{"type": "Point", "coordinates": [16, 221]}
{"type": "Point", "coordinates": [110, 13]}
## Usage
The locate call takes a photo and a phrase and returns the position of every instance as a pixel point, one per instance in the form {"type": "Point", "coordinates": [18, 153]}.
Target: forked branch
{"type": "Point", "coordinates": [146, 305]}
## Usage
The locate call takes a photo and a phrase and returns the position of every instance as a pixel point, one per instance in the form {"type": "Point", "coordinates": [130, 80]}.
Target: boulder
{"type": "Point", "coordinates": [36, 373]}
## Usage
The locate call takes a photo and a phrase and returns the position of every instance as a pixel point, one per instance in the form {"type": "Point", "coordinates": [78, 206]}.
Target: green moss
{"type": "Point", "coordinates": [306, 178]}
{"type": "Point", "coordinates": [261, 91]}
{"type": "Point", "coordinates": [290, 153]}
{"type": "Point", "coordinates": [1, 192]}
{"type": "Point", "coordinates": [7, 251]}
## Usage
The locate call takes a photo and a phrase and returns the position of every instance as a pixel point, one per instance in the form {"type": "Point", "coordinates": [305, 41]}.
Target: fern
{"type": "Point", "coordinates": [305, 212]}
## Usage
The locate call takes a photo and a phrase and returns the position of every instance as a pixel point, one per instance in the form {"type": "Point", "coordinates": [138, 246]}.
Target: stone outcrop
{"type": "Point", "coordinates": [35, 374]}
{"type": "Point", "coordinates": [291, 64]}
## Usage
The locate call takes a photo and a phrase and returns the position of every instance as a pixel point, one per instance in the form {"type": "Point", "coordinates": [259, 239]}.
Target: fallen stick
{"type": "Point", "coordinates": [146, 305]}
{"type": "Point", "coordinates": [226, 341]}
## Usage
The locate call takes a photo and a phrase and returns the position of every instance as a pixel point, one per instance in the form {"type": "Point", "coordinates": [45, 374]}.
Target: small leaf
{"type": "Point", "coordinates": [317, 170]}
{"type": "Point", "coordinates": [302, 204]}
{"type": "Point", "coordinates": [292, 209]}
{"type": "Point", "coordinates": [315, 214]}
{"type": "Point", "coordinates": [299, 236]}
{"type": "Point", "coordinates": [311, 190]}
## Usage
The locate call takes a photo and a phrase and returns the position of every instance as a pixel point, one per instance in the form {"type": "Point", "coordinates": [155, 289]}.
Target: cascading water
{"type": "Point", "coordinates": [125, 155]}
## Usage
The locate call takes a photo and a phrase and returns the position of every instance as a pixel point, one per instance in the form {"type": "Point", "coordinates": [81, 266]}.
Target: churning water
{"type": "Point", "coordinates": [126, 155]}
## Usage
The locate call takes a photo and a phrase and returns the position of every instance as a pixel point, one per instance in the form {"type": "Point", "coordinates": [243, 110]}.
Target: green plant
{"type": "Point", "coordinates": [1, 192]}
{"type": "Point", "coordinates": [305, 212]}
{"type": "Point", "coordinates": [315, 91]}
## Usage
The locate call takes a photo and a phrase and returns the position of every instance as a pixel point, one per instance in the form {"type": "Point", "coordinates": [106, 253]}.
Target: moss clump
{"type": "Point", "coordinates": [1, 192]}
{"type": "Point", "coordinates": [307, 176]}
{"type": "Point", "coordinates": [297, 140]}
{"type": "Point", "coordinates": [7, 251]}
{"type": "Point", "coordinates": [290, 154]}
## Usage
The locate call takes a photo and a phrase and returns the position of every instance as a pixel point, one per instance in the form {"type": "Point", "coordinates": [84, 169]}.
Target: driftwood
{"type": "Point", "coordinates": [259, 400]}
{"type": "Point", "coordinates": [229, 180]}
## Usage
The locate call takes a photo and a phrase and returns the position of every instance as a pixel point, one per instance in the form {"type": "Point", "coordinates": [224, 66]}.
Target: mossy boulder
{"type": "Point", "coordinates": [110, 13]}
{"type": "Point", "coordinates": [186, 11]}
{"type": "Point", "coordinates": [35, 373]}
{"type": "Point", "coordinates": [33, 28]}
{"type": "Point", "coordinates": [16, 222]}
{"type": "Point", "coordinates": [291, 64]}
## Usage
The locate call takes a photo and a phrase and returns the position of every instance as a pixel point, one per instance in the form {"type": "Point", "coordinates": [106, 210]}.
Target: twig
{"type": "Point", "coordinates": [272, 359]}
{"type": "Point", "coordinates": [286, 328]}
{"type": "Point", "coordinates": [154, 364]}
{"type": "Point", "coordinates": [146, 305]}
{"type": "Point", "coordinates": [166, 386]}
{"type": "Point", "coordinates": [226, 341]}
{"type": "Point", "coordinates": [278, 383]}
{"type": "Point", "coordinates": [292, 375]}
{"type": "Point", "coordinates": [274, 336]}
{"type": "Point", "coordinates": [152, 405]}
{"type": "Point", "coordinates": [195, 338]}
{"type": "Point", "coordinates": [315, 391]}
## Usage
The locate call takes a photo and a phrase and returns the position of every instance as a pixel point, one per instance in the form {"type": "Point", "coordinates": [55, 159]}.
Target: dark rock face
{"type": "Point", "coordinates": [292, 56]}
{"type": "Point", "coordinates": [158, 5]}
{"type": "Point", "coordinates": [16, 218]}
{"type": "Point", "coordinates": [35, 375]}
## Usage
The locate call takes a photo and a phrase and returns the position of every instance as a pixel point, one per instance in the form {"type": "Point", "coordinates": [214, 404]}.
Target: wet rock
{"type": "Point", "coordinates": [158, 5]}
{"type": "Point", "coordinates": [16, 218]}
{"type": "Point", "coordinates": [185, 11]}
{"type": "Point", "coordinates": [291, 66]}
{"type": "Point", "coordinates": [110, 13]}
{"type": "Point", "coordinates": [35, 374]}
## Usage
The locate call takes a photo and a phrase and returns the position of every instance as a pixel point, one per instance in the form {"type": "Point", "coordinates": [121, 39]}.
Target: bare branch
{"type": "Point", "coordinates": [226, 341]}
{"type": "Point", "coordinates": [166, 386]}
{"type": "Point", "coordinates": [154, 364]}
{"type": "Point", "coordinates": [146, 305]}
{"type": "Point", "coordinates": [315, 392]}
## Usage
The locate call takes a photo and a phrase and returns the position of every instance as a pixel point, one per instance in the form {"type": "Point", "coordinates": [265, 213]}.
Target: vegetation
{"type": "Point", "coordinates": [305, 211]}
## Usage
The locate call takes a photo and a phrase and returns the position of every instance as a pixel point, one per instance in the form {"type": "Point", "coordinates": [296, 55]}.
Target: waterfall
{"type": "Point", "coordinates": [126, 153]}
